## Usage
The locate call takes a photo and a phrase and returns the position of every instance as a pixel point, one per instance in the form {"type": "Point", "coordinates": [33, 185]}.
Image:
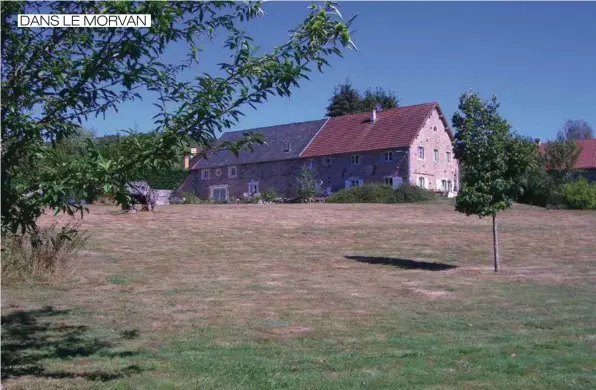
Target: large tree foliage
{"type": "Point", "coordinates": [574, 130]}
{"type": "Point", "coordinates": [348, 100]}
{"type": "Point", "coordinates": [495, 160]}
{"type": "Point", "coordinates": [561, 156]}
{"type": "Point", "coordinates": [345, 100]}
{"type": "Point", "coordinates": [55, 78]}
{"type": "Point", "coordinates": [372, 97]}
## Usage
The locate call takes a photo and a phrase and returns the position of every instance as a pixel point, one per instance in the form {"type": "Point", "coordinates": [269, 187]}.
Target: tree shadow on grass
{"type": "Point", "coordinates": [27, 342]}
{"type": "Point", "coordinates": [403, 263]}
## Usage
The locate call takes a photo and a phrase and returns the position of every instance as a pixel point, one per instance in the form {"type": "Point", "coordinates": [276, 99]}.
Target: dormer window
{"type": "Point", "coordinates": [287, 147]}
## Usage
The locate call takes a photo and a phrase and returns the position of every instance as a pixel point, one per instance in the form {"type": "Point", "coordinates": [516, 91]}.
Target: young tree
{"type": "Point", "coordinates": [345, 100]}
{"type": "Point", "coordinates": [306, 183]}
{"type": "Point", "coordinates": [54, 78]}
{"type": "Point", "coordinates": [574, 130]}
{"type": "Point", "coordinates": [494, 159]}
{"type": "Point", "coordinates": [371, 98]}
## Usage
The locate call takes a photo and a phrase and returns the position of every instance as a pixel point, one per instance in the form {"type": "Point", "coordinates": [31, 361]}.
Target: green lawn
{"type": "Point", "coordinates": [312, 296]}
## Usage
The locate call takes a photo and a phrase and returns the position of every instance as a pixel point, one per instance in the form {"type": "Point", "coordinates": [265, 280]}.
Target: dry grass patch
{"type": "Point", "coordinates": [325, 278]}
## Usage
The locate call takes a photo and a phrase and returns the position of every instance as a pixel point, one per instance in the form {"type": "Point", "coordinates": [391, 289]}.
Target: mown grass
{"type": "Point", "coordinates": [312, 296]}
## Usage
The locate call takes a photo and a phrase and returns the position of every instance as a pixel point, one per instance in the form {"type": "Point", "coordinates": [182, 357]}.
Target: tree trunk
{"type": "Point", "coordinates": [496, 244]}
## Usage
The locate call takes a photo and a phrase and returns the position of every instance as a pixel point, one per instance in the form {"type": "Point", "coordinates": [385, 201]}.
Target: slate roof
{"type": "Point", "coordinates": [393, 128]}
{"type": "Point", "coordinates": [587, 157]}
{"type": "Point", "coordinates": [299, 135]}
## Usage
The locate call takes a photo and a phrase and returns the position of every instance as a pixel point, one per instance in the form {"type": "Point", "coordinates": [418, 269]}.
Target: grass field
{"type": "Point", "coordinates": [313, 296]}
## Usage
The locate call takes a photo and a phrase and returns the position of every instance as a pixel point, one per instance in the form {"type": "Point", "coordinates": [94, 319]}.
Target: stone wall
{"type": "Point", "coordinates": [281, 176]}
{"type": "Point", "coordinates": [433, 171]}
{"type": "Point", "coordinates": [162, 196]}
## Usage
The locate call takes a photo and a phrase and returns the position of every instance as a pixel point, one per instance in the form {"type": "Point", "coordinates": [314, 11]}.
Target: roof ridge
{"type": "Point", "coordinates": [268, 127]}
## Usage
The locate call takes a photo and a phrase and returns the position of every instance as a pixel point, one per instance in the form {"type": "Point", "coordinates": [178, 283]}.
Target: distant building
{"type": "Point", "coordinates": [411, 144]}
{"type": "Point", "coordinates": [586, 162]}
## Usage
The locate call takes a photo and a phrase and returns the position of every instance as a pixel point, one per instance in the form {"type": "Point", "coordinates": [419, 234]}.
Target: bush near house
{"type": "Point", "coordinates": [192, 198]}
{"type": "Point", "coordinates": [375, 193]}
{"type": "Point", "coordinates": [579, 194]}
{"type": "Point", "coordinates": [269, 196]}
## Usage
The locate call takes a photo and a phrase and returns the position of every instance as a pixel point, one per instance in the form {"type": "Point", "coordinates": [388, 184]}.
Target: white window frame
{"type": "Point", "coordinates": [436, 155]}
{"type": "Point", "coordinates": [444, 184]}
{"type": "Point", "coordinates": [218, 172]}
{"type": "Point", "coordinates": [388, 181]}
{"type": "Point", "coordinates": [219, 187]}
{"type": "Point", "coordinates": [253, 185]}
{"type": "Point", "coordinates": [420, 155]}
{"type": "Point", "coordinates": [205, 174]}
{"type": "Point", "coordinates": [230, 172]}
{"type": "Point", "coordinates": [448, 157]}
{"type": "Point", "coordinates": [388, 156]}
{"type": "Point", "coordinates": [423, 182]}
{"type": "Point", "coordinates": [355, 157]}
{"type": "Point", "coordinates": [356, 182]}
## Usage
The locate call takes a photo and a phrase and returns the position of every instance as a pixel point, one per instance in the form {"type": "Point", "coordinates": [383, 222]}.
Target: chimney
{"type": "Point", "coordinates": [373, 118]}
{"type": "Point", "coordinates": [193, 152]}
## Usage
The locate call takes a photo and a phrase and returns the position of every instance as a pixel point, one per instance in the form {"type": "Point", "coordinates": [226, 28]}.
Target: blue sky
{"type": "Point", "coordinates": [539, 58]}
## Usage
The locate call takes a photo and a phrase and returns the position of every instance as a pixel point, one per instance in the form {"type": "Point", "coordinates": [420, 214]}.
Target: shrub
{"type": "Point", "coordinates": [192, 198]}
{"type": "Point", "coordinates": [45, 252]}
{"type": "Point", "coordinates": [540, 188]}
{"type": "Point", "coordinates": [269, 196]}
{"type": "Point", "coordinates": [375, 193]}
{"type": "Point", "coordinates": [407, 193]}
{"type": "Point", "coordinates": [254, 199]}
{"type": "Point", "coordinates": [579, 194]}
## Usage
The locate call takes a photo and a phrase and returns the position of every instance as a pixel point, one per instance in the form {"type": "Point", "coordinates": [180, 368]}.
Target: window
{"type": "Point", "coordinates": [388, 156]}
{"type": "Point", "coordinates": [310, 164]}
{"type": "Point", "coordinates": [232, 172]}
{"type": "Point", "coordinates": [253, 187]}
{"type": "Point", "coordinates": [219, 193]}
{"type": "Point", "coordinates": [443, 184]}
{"type": "Point", "coordinates": [287, 147]}
{"type": "Point", "coordinates": [448, 157]}
{"type": "Point", "coordinates": [435, 128]}
{"type": "Point", "coordinates": [205, 174]}
{"type": "Point", "coordinates": [420, 153]}
{"type": "Point", "coordinates": [455, 182]}
{"type": "Point", "coordinates": [421, 182]}
{"type": "Point", "coordinates": [388, 181]}
{"type": "Point", "coordinates": [218, 172]}
{"type": "Point", "coordinates": [355, 182]}
{"type": "Point", "coordinates": [436, 155]}
{"type": "Point", "coordinates": [193, 151]}
{"type": "Point", "coordinates": [327, 161]}
{"type": "Point", "coordinates": [355, 159]}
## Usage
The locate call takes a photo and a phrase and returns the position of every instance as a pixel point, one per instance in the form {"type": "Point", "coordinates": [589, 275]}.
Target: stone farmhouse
{"type": "Point", "coordinates": [411, 144]}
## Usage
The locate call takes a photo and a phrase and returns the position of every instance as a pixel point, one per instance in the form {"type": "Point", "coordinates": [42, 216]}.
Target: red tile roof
{"type": "Point", "coordinates": [393, 128]}
{"type": "Point", "coordinates": [587, 157]}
